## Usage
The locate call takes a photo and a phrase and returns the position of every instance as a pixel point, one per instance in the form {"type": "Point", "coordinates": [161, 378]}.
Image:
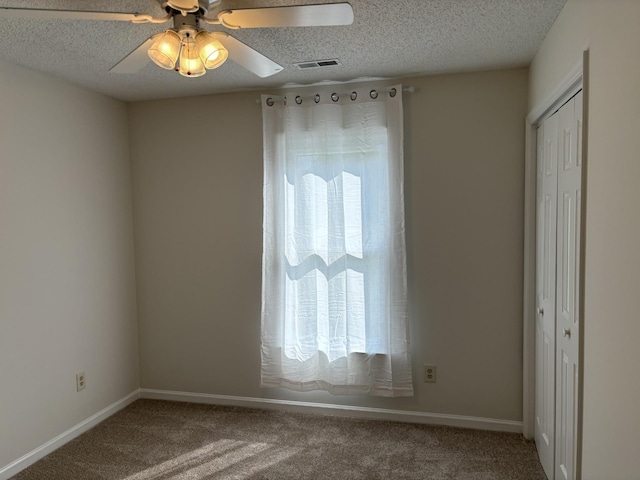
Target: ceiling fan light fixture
{"type": "Point", "coordinates": [208, 51]}
{"type": "Point", "coordinates": [212, 52]}
{"type": "Point", "coordinates": [165, 50]}
{"type": "Point", "coordinates": [191, 64]}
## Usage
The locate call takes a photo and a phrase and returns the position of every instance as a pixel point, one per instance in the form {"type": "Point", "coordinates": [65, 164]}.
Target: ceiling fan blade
{"type": "Point", "coordinates": [8, 12]}
{"type": "Point", "coordinates": [295, 16]}
{"type": "Point", "coordinates": [136, 59]}
{"type": "Point", "coordinates": [247, 57]}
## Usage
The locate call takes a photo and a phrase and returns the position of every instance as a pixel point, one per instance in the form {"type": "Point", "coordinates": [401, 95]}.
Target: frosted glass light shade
{"type": "Point", "coordinates": [165, 50]}
{"type": "Point", "coordinates": [190, 63]}
{"type": "Point", "coordinates": [212, 52]}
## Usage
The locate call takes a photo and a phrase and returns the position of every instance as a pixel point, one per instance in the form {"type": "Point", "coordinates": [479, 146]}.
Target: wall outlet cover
{"type": "Point", "coordinates": [80, 381]}
{"type": "Point", "coordinates": [430, 374]}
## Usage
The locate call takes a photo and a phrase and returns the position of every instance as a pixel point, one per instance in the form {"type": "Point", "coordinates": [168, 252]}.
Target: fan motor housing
{"type": "Point", "coordinates": [189, 6]}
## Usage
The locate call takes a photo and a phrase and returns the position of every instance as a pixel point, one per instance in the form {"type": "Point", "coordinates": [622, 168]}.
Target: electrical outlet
{"type": "Point", "coordinates": [430, 374]}
{"type": "Point", "coordinates": [81, 381]}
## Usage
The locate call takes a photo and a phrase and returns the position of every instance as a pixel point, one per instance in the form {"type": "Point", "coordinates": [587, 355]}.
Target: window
{"type": "Point", "coordinates": [334, 313]}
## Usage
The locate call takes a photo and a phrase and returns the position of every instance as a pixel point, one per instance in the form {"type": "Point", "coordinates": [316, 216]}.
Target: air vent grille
{"type": "Point", "coordinates": [317, 63]}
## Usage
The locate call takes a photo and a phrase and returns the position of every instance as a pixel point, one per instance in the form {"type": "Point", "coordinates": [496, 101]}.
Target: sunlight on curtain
{"type": "Point", "coordinates": [334, 308]}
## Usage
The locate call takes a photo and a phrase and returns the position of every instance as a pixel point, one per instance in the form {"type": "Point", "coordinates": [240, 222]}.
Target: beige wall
{"type": "Point", "coordinates": [197, 175]}
{"type": "Point", "coordinates": [611, 30]}
{"type": "Point", "coordinates": [67, 285]}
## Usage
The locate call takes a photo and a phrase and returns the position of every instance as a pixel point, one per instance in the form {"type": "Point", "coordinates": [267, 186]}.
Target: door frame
{"type": "Point", "coordinates": [576, 80]}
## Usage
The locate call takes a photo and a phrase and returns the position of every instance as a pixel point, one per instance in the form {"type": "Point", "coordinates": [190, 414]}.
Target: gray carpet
{"type": "Point", "coordinates": [156, 440]}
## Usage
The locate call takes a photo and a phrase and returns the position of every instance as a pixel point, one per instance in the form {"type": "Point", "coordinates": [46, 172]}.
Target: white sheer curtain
{"type": "Point", "coordinates": [334, 290]}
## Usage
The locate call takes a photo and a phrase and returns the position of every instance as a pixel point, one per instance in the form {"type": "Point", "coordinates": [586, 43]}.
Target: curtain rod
{"type": "Point", "coordinates": [373, 93]}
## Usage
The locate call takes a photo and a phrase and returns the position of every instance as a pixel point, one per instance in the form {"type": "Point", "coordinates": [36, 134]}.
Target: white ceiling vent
{"type": "Point", "coordinates": [317, 63]}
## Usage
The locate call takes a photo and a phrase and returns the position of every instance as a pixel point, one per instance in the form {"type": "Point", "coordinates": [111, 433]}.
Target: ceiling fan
{"type": "Point", "coordinates": [190, 49]}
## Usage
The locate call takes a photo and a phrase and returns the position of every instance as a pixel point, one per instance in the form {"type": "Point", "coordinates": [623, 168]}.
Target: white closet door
{"type": "Point", "coordinates": [568, 275]}
{"type": "Point", "coordinates": [547, 175]}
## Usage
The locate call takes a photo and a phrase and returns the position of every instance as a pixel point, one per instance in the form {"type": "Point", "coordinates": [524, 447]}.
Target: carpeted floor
{"type": "Point", "coordinates": [157, 440]}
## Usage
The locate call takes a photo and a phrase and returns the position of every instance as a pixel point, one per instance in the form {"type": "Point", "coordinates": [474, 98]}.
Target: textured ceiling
{"type": "Point", "coordinates": [387, 39]}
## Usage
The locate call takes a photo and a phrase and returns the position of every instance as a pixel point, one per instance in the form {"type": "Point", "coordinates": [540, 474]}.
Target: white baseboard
{"type": "Point", "coordinates": [43, 450]}
{"type": "Point", "coordinates": [267, 403]}
{"type": "Point", "coordinates": [340, 410]}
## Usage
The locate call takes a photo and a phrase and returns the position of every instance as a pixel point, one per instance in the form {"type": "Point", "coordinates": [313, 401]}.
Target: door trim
{"type": "Point", "coordinates": [567, 88]}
